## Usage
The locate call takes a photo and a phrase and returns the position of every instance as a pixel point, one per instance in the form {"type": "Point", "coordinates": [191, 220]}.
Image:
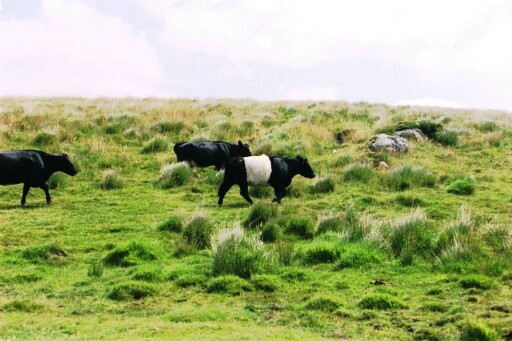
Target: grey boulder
{"type": "Point", "coordinates": [384, 142]}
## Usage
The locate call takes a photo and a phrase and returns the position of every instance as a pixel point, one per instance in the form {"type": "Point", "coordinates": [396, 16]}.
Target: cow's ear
{"type": "Point", "coordinates": [240, 143]}
{"type": "Point", "coordinates": [299, 158]}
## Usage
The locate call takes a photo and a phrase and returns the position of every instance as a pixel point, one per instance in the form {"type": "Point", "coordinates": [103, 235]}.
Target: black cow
{"type": "Point", "coordinates": [32, 168]}
{"type": "Point", "coordinates": [277, 172]}
{"type": "Point", "coordinates": [209, 153]}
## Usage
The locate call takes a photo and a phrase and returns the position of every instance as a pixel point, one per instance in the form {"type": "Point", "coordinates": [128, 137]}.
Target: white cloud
{"type": "Point", "coordinates": [311, 93]}
{"type": "Point", "coordinates": [431, 102]}
{"type": "Point", "coordinates": [71, 49]}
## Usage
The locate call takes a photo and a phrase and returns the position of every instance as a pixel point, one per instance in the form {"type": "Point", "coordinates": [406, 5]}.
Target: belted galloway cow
{"type": "Point", "coordinates": [32, 168]}
{"type": "Point", "coordinates": [209, 153]}
{"type": "Point", "coordinates": [275, 171]}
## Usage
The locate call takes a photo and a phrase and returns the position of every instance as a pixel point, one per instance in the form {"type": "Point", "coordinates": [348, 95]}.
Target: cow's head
{"type": "Point", "coordinates": [304, 168]}
{"type": "Point", "coordinates": [66, 166]}
{"type": "Point", "coordinates": [243, 149]}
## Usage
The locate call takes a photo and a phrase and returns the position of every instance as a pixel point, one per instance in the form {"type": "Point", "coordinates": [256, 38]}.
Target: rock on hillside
{"type": "Point", "coordinates": [415, 134]}
{"type": "Point", "coordinates": [383, 142]}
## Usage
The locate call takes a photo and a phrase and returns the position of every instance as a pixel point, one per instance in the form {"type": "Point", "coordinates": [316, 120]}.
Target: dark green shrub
{"type": "Point", "coordinates": [45, 252]}
{"type": "Point", "coordinates": [302, 227]}
{"type": "Point", "coordinates": [429, 128]}
{"type": "Point", "coordinates": [172, 224]}
{"type": "Point", "coordinates": [408, 176]}
{"type": "Point", "coordinates": [156, 145]}
{"type": "Point", "coordinates": [380, 302]}
{"type": "Point", "coordinates": [260, 214]}
{"type": "Point", "coordinates": [130, 254]}
{"type": "Point", "coordinates": [322, 303]}
{"type": "Point", "coordinates": [230, 284]}
{"type": "Point", "coordinates": [287, 112]}
{"type": "Point", "coordinates": [270, 233]}
{"type": "Point", "coordinates": [465, 186]}
{"type": "Point", "coordinates": [473, 331]}
{"type": "Point", "coordinates": [267, 283]}
{"type": "Point", "coordinates": [22, 306]}
{"type": "Point", "coordinates": [321, 253]}
{"type": "Point", "coordinates": [323, 186]}
{"type": "Point", "coordinates": [198, 231]}
{"type": "Point", "coordinates": [44, 139]}
{"type": "Point", "coordinates": [131, 290]}
{"type": "Point", "coordinates": [175, 175]}
{"type": "Point", "coordinates": [448, 138]}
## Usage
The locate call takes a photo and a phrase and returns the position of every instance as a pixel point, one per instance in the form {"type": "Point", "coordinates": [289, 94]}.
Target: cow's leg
{"type": "Point", "coordinates": [244, 191]}
{"type": "Point", "coordinates": [44, 187]}
{"type": "Point", "coordinates": [280, 193]}
{"type": "Point", "coordinates": [26, 188]}
{"type": "Point", "coordinates": [223, 189]}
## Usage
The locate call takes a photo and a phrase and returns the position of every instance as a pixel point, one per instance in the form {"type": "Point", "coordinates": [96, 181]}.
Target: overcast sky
{"type": "Point", "coordinates": [436, 52]}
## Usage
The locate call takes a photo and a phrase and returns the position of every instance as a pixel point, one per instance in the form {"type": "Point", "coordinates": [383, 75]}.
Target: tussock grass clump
{"type": "Point", "coordinates": [411, 236]}
{"type": "Point", "coordinates": [235, 253]}
{"type": "Point", "coordinates": [302, 227]}
{"type": "Point", "coordinates": [322, 252]}
{"type": "Point", "coordinates": [359, 173]}
{"type": "Point", "coordinates": [198, 231]}
{"type": "Point", "coordinates": [147, 274]}
{"type": "Point", "coordinates": [428, 127]}
{"type": "Point", "coordinates": [229, 284]}
{"type": "Point", "coordinates": [43, 253]}
{"type": "Point", "coordinates": [130, 254]}
{"type": "Point", "coordinates": [57, 180]}
{"type": "Point", "coordinates": [168, 127]}
{"type": "Point", "coordinates": [271, 233]}
{"type": "Point", "coordinates": [156, 145]}
{"type": "Point", "coordinates": [260, 191]}
{"type": "Point", "coordinates": [448, 138]}
{"type": "Point", "coordinates": [190, 280]}
{"type": "Point", "coordinates": [323, 186]}
{"type": "Point", "coordinates": [260, 214]}
{"type": "Point", "coordinates": [284, 252]}
{"type": "Point", "coordinates": [487, 127]}
{"type": "Point", "coordinates": [409, 201]}
{"type": "Point", "coordinates": [329, 224]}
{"type": "Point", "coordinates": [95, 270]}
{"type": "Point", "coordinates": [44, 139]}
{"type": "Point", "coordinates": [172, 224]}
{"type": "Point", "coordinates": [360, 255]}
{"type": "Point", "coordinates": [465, 186]}
{"type": "Point", "coordinates": [323, 303]}
{"type": "Point", "coordinates": [380, 302]}
{"type": "Point", "coordinates": [24, 306]}
{"type": "Point", "coordinates": [475, 331]}
{"type": "Point", "coordinates": [407, 176]}
{"type": "Point", "coordinates": [343, 161]}
{"type": "Point", "coordinates": [111, 181]}
{"type": "Point", "coordinates": [131, 290]}
{"type": "Point", "coordinates": [175, 175]}
{"type": "Point", "coordinates": [477, 282]}
{"type": "Point", "coordinates": [267, 283]}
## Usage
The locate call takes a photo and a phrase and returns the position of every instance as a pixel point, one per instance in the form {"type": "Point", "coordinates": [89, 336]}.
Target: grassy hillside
{"type": "Point", "coordinates": [132, 248]}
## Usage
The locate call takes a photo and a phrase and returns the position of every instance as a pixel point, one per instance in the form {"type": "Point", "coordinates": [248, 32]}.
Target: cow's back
{"type": "Point", "coordinates": [16, 167]}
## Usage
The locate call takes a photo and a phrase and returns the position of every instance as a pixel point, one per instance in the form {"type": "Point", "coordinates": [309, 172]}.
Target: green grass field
{"type": "Point", "coordinates": [132, 248]}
